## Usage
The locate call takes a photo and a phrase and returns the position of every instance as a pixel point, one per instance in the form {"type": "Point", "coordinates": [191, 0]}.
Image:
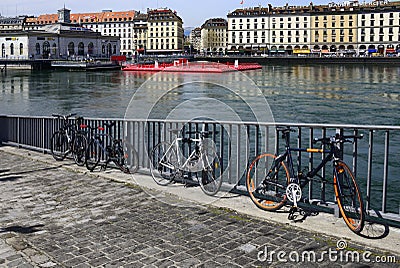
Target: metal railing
{"type": "Point", "coordinates": [374, 159]}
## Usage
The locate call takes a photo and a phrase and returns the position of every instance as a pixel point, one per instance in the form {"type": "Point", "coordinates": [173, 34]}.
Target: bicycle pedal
{"type": "Point", "coordinates": [292, 213]}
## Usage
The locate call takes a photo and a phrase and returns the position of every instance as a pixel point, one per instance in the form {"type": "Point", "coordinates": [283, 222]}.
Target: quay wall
{"type": "Point", "coordinates": [305, 60]}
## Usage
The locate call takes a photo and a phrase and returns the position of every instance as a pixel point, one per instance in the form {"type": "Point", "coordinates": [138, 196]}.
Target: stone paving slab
{"type": "Point", "coordinates": [52, 216]}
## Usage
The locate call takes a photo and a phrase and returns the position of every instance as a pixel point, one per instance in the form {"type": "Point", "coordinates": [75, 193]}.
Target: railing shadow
{"type": "Point", "coordinates": [16, 174]}
{"type": "Point", "coordinates": [10, 178]}
{"type": "Point", "coordinates": [22, 229]}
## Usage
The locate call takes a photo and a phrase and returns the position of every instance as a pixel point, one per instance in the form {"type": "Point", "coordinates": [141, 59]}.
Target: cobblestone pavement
{"type": "Point", "coordinates": [54, 217]}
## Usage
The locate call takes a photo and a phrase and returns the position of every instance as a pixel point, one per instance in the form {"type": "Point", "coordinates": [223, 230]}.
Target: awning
{"type": "Point", "coordinates": [140, 50]}
{"type": "Point", "coordinates": [390, 50]}
{"type": "Point", "coordinates": [372, 50]}
{"type": "Point", "coordinates": [302, 51]}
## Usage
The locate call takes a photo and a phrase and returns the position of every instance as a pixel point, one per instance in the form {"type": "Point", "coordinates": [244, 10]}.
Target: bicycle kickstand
{"type": "Point", "coordinates": [293, 213]}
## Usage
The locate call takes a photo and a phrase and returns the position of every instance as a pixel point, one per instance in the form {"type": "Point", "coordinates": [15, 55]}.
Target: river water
{"type": "Point", "coordinates": [351, 94]}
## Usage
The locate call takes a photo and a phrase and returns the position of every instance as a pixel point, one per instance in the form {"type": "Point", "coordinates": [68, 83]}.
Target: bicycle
{"type": "Point", "coordinates": [168, 164]}
{"type": "Point", "coordinates": [271, 180]}
{"type": "Point", "coordinates": [105, 148]}
{"type": "Point", "coordinates": [68, 139]}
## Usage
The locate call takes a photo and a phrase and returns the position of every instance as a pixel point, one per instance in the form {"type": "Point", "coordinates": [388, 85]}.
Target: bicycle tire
{"type": "Point", "coordinates": [267, 191]}
{"type": "Point", "coordinates": [93, 155]}
{"type": "Point", "coordinates": [348, 197]}
{"type": "Point", "coordinates": [59, 145]}
{"type": "Point", "coordinates": [210, 178]}
{"type": "Point", "coordinates": [163, 163]}
{"type": "Point", "coordinates": [131, 159]}
{"type": "Point", "coordinates": [79, 149]}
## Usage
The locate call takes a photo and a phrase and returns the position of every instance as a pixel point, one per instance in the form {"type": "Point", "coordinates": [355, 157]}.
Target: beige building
{"type": "Point", "coordinates": [346, 29]}
{"type": "Point", "coordinates": [334, 29]}
{"type": "Point", "coordinates": [140, 30]}
{"type": "Point", "coordinates": [213, 36]}
{"type": "Point", "coordinates": [165, 32]}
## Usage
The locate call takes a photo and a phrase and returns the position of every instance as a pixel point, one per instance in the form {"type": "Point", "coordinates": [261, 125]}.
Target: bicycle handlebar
{"type": "Point", "coordinates": [338, 138]}
{"type": "Point", "coordinates": [64, 116]}
{"type": "Point", "coordinates": [202, 133]}
{"type": "Point", "coordinates": [285, 129]}
{"type": "Point", "coordinates": [110, 125]}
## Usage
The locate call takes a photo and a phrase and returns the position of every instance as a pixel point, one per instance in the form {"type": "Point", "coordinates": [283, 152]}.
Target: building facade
{"type": "Point", "coordinates": [159, 31]}
{"type": "Point", "coordinates": [213, 36]}
{"type": "Point", "coordinates": [63, 39]}
{"type": "Point", "coordinates": [165, 32]}
{"type": "Point", "coordinates": [195, 39]}
{"type": "Point", "coordinates": [346, 29]}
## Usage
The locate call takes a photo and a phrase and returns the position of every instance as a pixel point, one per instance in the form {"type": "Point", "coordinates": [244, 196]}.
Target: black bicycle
{"type": "Point", "coordinates": [271, 180]}
{"type": "Point", "coordinates": [103, 149]}
{"type": "Point", "coordinates": [68, 139]}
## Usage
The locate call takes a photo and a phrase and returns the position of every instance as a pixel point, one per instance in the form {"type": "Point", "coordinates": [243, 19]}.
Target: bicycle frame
{"type": "Point", "coordinates": [175, 145]}
{"type": "Point", "coordinates": [101, 143]}
{"type": "Point", "coordinates": [287, 157]}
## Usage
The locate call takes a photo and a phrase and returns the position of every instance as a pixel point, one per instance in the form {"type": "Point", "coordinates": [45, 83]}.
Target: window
{"type": "Point", "coordinates": [21, 49]}
{"type": "Point", "coordinates": [46, 49]}
{"type": "Point", "coordinates": [81, 49]}
{"type": "Point", "coordinates": [12, 49]}
{"type": "Point", "coordinates": [71, 49]}
{"type": "Point", "coordinates": [37, 46]}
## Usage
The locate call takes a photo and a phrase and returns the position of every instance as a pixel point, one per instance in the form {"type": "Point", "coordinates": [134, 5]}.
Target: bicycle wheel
{"type": "Point", "coordinates": [79, 149]}
{"type": "Point", "coordinates": [131, 159]}
{"type": "Point", "coordinates": [163, 163]}
{"type": "Point", "coordinates": [210, 178]}
{"type": "Point", "coordinates": [348, 197]}
{"type": "Point", "coordinates": [266, 182]}
{"type": "Point", "coordinates": [59, 145]}
{"type": "Point", "coordinates": [93, 155]}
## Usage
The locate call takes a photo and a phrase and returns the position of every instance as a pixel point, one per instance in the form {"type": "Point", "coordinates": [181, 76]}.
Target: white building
{"type": "Point", "coordinates": [63, 39]}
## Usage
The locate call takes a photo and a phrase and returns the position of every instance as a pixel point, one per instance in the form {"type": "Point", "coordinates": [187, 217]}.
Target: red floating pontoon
{"type": "Point", "coordinates": [183, 65]}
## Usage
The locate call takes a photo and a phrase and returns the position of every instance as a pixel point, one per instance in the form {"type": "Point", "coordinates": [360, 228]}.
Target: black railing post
{"type": "Point", "coordinates": [3, 129]}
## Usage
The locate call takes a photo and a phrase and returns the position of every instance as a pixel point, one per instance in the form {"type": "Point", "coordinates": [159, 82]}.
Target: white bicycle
{"type": "Point", "coordinates": [168, 164]}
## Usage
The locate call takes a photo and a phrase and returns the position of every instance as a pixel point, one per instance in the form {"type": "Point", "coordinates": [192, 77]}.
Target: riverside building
{"type": "Point", "coordinates": [347, 29]}
{"type": "Point", "coordinates": [58, 38]}
{"type": "Point", "coordinates": [214, 36]}
{"type": "Point", "coordinates": [195, 38]}
{"type": "Point", "coordinates": [165, 32]}
{"type": "Point", "coordinates": [159, 31]}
